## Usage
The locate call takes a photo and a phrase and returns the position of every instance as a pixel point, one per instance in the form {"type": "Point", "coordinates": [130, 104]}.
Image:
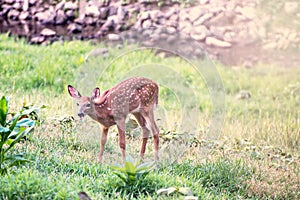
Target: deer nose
{"type": "Point", "coordinates": [81, 115]}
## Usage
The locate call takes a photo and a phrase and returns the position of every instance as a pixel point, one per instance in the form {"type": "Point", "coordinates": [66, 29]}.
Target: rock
{"type": "Point", "coordinates": [10, 1]}
{"type": "Point", "coordinates": [37, 40]}
{"type": "Point", "coordinates": [25, 6]}
{"type": "Point", "coordinates": [33, 2]}
{"type": "Point", "coordinates": [70, 6]}
{"type": "Point", "coordinates": [122, 13]}
{"type": "Point", "coordinates": [46, 17]}
{"type": "Point", "coordinates": [70, 14]}
{"type": "Point", "coordinates": [110, 23]}
{"type": "Point", "coordinates": [17, 6]}
{"type": "Point", "coordinates": [229, 36]}
{"type": "Point", "coordinates": [291, 7]}
{"type": "Point", "coordinates": [217, 31]}
{"type": "Point", "coordinates": [243, 94]}
{"type": "Point", "coordinates": [248, 12]}
{"type": "Point", "coordinates": [92, 11]}
{"type": "Point", "coordinates": [200, 33]}
{"type": "Point", "coordinates": [13, 14]}
{"type": "Point", "coordinates": [24, 16]}
{"type": "Point", "coordinates": [204, 2]}
{"type": "Point", "coordinates": [60, 17]}
{"type": "Point", "coordinates": [113, 37]}
{"type": "Point", "coordinates": [171, 30]}
{"type": "Point", "coordinates": [60, 5]}
{"type": "Point", "coordinates": [211, 41]}
{"type": "Point", "coordinates": [203, 19]}
{"type": "Point", "coordinates": [195, 13]}
{"type": "Point", "coordinates": [90, 20]}
{"type": "Point", "coordinates": [172, 38]}
{"type": "Point", "coordinates": [113, 10]}
{"type": "Point", "coordinates": [104, 13]}
{"type": "Point", "coordinates": [74, 28]}
{"type": "Point", "coordinates": [48, 32]}
{"type": "Point", "coordinates": [147, 24]}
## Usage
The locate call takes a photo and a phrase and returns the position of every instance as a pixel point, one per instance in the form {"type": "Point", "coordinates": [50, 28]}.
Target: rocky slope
{"type": "Point", "coordinates": [231, 30]}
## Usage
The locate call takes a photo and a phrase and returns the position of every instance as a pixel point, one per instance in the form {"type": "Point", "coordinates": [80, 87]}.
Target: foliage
{"type": "Point", "coordinates": [11, 133]}
{"type": "Point", "coordinates": [132, 170]}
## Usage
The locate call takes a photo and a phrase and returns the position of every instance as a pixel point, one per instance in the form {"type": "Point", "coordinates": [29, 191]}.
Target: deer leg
{"type": "Point", "coordinates": [145, 130]}
{"type": "Point", "coordinates": [121, 130]}
{"type": "Point", "coordinates": [149, 117]}
{"type": "Point", "coordinates": [103, 142]}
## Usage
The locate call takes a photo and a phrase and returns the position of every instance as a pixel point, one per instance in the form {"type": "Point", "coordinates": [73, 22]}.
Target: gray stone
{"type": "Point", "coordinates": [103, 13]}
{"type": "Point", "coordinates": [144, 16]}
{"type": "Point", "coordinates": [10, 1]}
{"type": "Point", "coordinates": [74, 28]}
{"type": "Point", "coordinates": [171, 30]}
{"type": "Point", "coordinates": [92, 11]}
{"type": "Point", "coordinates": [291, 7]}
{"type": "Point", "coordinates": [122, 13]}
{"type": "Point", "coordinates": [247, 12]}
{"type": "Point", "coordinates": [203, 2]}
{"type": "Point", "coordinates": [71, 5]}
{"type": "Point", "coordinates": [24, 16]}
{"type": "Point", "coordinates": [17, 6]}
{"type": "Point", "coordinates": [60, 17]}
{"type": "Point", "coordinates": [243, 94]}
{"type": "Point", "coordinates": [147, 24]}
{"type": "Point", "coordinates": [113, 37]}
{"type": "Point", "coordinates": [37, 40]}
{"type": "Point", "coordinates": [70, 14]}
{"type": "Point", "coordinates": [203, 19]}
{"type": "Point", "coordinates": [229, 36]}
{"type": "Point", "coordinates": [60, 5]}
{"type": "Point", "coordinates": [200, 33]}
{"type": "Point", "coordinates": [13, 14]}
{"type": "Point", "coordinates": [48, 32]}
{"type": "Point", "coordinates": [195, 13]}
{"type": "Point", "coordinates": [25, 6]}
{"type": "Point", "coordinates": [46, 17]}
{"type": "Point", "coordinates": [211, 41]}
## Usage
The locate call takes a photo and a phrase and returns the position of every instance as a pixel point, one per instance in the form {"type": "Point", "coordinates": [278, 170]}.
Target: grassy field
{"type": "Point", "coordinates": [213, 140]}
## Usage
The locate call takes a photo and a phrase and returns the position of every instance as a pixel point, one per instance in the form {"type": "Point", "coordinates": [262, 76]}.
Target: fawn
{"type": "Point", "coordinates": [138, 96]}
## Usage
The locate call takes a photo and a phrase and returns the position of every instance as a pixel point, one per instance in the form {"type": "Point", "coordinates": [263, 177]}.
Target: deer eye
{"type": "Point", "coordinates": [77, 104]}
{"type": "Point", "coordinates": [88, 105]}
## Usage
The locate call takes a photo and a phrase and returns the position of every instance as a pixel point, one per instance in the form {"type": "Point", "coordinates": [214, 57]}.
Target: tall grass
{"type": "Point", "coordinates": [64, 150]}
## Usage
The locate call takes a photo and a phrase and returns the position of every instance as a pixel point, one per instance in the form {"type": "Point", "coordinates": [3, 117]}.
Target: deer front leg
{"type": "Point", "coordinates": [103, 142]}
{"type": "Point", "coordinates": [121, 130]}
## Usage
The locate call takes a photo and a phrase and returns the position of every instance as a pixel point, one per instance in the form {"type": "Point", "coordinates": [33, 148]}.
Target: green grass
{"type": "Point", "coordinates": [255, 154]}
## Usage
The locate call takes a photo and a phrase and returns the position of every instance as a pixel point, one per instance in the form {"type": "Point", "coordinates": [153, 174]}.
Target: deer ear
{"type": "Point", "coordinates": [73, 92]}
{"type": "Point", "coordinates": [96, 94]}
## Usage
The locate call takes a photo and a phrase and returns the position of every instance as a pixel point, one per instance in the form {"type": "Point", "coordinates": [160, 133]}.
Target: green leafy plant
{"type": "Point", "coordinates": [11, 133]}
{"type": "Point", "coordinates": [132, 170]}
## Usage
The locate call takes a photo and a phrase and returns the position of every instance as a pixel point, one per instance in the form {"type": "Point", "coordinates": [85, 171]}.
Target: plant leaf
{"type": "Point", "coordinates": [130, 168]}
{"type": "Point", "coordinates": [171, 190]}
{"type": "Point", "coordinates": [3, 110]}
{"type": "Point", "coordinates": [185, 191]}
{"type": "Point", "coordinates": [25, 122]}
{"type": "Point", "coordinates": [19, 137]}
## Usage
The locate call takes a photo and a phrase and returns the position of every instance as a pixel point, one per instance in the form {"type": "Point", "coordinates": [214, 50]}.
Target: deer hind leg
{"type": "Point", "coordinates": [145, 130]}
{"type": "Point", "coordinates": [121, 130]}
{"type": "Point", "coordinates": [149, 117]}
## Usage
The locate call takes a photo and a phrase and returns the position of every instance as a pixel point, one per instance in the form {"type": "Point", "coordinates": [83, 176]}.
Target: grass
{"type": "Point", "coordinates": [254, 154]}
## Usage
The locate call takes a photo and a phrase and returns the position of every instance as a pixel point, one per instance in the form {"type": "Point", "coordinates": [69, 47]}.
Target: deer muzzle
{"type": "Point", "coordinates": [80, 115]}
